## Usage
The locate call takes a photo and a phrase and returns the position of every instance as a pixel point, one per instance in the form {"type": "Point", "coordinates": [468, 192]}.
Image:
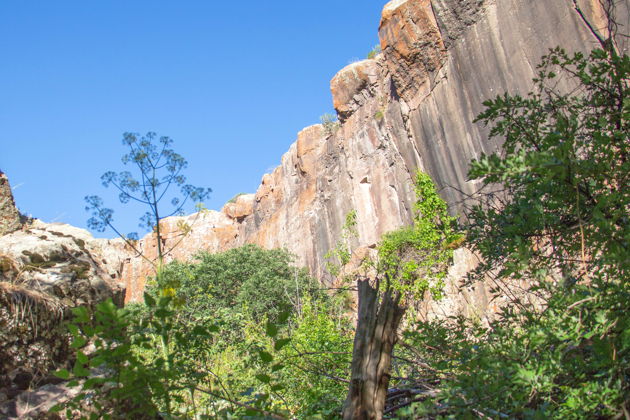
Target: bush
{"type": "Point", "coordinates": [374, 51]}
{"type": "Point", "coordinates": [330, 123]}
{"type": "Point", "coordinates": [209, 340]}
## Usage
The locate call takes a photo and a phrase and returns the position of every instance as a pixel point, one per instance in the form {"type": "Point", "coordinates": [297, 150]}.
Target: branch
{"type": "Point", "coordinates": [597, 36]}
{"type": "Point", "coordinates": [170, 180]}
{"type": "Point", "coordinates": [128, 195]}
{"type": "Point", "coordinates": [183, 236]}
{"type": "Point", "coordinates": [128, 242]}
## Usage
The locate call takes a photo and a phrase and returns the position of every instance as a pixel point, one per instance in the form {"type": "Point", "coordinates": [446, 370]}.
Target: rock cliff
{"type": "Point", "coordinates": [411, 107]}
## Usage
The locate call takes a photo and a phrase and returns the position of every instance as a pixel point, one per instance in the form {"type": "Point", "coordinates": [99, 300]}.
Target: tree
{"type": "Point", "coordinates": [412, 261]}
{"type": "Point", "coordinates": [552, 214]}
{"type": "Point", "coordinates": [562, 172]}
{"type": "Point", "coordinates": [158, 168]}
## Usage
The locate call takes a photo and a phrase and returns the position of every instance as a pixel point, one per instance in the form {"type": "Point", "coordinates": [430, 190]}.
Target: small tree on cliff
{"type": "Point", "coordinates": [158, 168]}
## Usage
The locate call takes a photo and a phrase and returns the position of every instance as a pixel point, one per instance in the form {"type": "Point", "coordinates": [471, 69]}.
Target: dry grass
{"type": "Point", "coordinates": [25, 305]}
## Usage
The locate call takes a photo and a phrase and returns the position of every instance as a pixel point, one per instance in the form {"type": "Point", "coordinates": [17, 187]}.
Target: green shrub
{"type": "Point", "coordinates": [415, 258]}
{"type": "Point", "coordinates": [374, 51]}
{"type": "Point", "coordinates": [330, 123]}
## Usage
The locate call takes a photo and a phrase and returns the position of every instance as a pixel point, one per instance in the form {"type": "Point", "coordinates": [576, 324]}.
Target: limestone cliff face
{"type": "Point", "coordinates": [409, 108]}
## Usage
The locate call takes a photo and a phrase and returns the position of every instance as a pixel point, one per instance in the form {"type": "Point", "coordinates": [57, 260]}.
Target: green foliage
{"type": "Point", "coordinates": [415, 259]}
{"type": "Point", "coordinates": [340, 255]}
{"type": "Point", "coordinates": [564, 166]}
{"type": "Point", "coordinates": [558, 221]}
{"type": "Point", "coordinates": [570, 361]}
{"type": "Point", "coordinates": [317, 361]}
{"type": "Point", "coordinates": [330, 123]}
{"type": "Point", "coordinates": [116, 377]}
{"type": "Point", "coordinates": [253, 281]}
{"type": "Point", "coordinates": [229, 335]}
{"type": "Point", "coordinates": [376, 50]}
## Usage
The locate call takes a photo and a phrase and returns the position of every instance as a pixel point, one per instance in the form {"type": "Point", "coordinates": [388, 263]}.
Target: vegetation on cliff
{"type": "Point", "coordinates": [552, 217]}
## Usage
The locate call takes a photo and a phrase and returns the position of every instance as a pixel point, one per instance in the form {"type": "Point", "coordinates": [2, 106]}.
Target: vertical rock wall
{"type": "Point", "coordinates": [411, 107]}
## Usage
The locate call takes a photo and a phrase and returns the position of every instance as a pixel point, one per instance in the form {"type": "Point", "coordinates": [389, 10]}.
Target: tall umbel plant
{"type": "Point", "coordinates": [158, 169]}
{"type": "Point", "coordinates": [139, 385]}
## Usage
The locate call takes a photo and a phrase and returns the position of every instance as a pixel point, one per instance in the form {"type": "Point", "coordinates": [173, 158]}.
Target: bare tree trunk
{"type": "Point", "coordinates": [374, 341]}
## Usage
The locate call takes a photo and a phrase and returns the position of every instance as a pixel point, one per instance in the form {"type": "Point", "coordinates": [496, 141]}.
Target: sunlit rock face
{"type": "Point", "coordinates": [183, 237]}
{"type": "Point", "coordinates": [411, 107]}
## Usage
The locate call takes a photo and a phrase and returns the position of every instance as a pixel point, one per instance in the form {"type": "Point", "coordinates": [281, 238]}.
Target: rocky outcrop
{"type": "Point", "coordinates": [411, 107]}
{"type": "Point", "coordinates": [10, 219]}
{"type": "Point", "coordinates": [46, 269]}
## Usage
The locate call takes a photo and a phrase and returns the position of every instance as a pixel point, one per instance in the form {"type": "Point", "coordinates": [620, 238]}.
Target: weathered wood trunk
{"type": "Point", "coordinates": [374, 341]}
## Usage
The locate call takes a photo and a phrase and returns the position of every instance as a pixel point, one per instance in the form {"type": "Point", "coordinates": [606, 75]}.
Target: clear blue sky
{"type": "Point", "coordinates": [231, 82]}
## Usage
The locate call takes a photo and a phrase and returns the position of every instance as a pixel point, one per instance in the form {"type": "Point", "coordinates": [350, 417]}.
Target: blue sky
{"type": "Point", "coordinates": [230, 82]}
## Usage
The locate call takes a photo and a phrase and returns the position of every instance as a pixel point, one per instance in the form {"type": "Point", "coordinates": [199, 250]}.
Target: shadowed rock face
{"type": "Point", "coordinates": [409, 108]}
{"type": "Point", "coordinates": [9, 215]}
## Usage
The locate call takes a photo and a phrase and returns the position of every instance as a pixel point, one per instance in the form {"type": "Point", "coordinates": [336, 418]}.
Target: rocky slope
{"type": "Point", "coordinates": [409, 108]}
{"type": "Point", "coordinates": [45, 269]}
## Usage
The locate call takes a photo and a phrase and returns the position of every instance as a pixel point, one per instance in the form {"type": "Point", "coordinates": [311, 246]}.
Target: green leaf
{"type": "Point", "coordinates": [265, 379]}
{"type": "Point", "coordinates": [281, 343]}
{"type": "Point", "coordinates": [62, 373]}
{"type": "Point", "coordinates": [74, 330]}
{"type": "Point", "coordinates": [82, 358]}
{"type": "Point", "coordinates": [284, 316]}
{"type": "Point", "coordinates": [265, 357]}
{"type": "Point", "coordinates": [199, 330]}
{"type": "Point", "coordinates": [81, 314]}
{"type": "Point", "coordinates": [277, 387]}
{"type": "Point", "coordinates": [277, 367]}
{"type": "Point", "coordinates": [149, 300]}
{"type": "Point", "coordinates": [163, 313]}
{"type": "Point", "coordinates": [271, 330]}
{"type": "Point", "coordinates": [78, 342]}
{"type": "Point", "coordinates": [79, 370]}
